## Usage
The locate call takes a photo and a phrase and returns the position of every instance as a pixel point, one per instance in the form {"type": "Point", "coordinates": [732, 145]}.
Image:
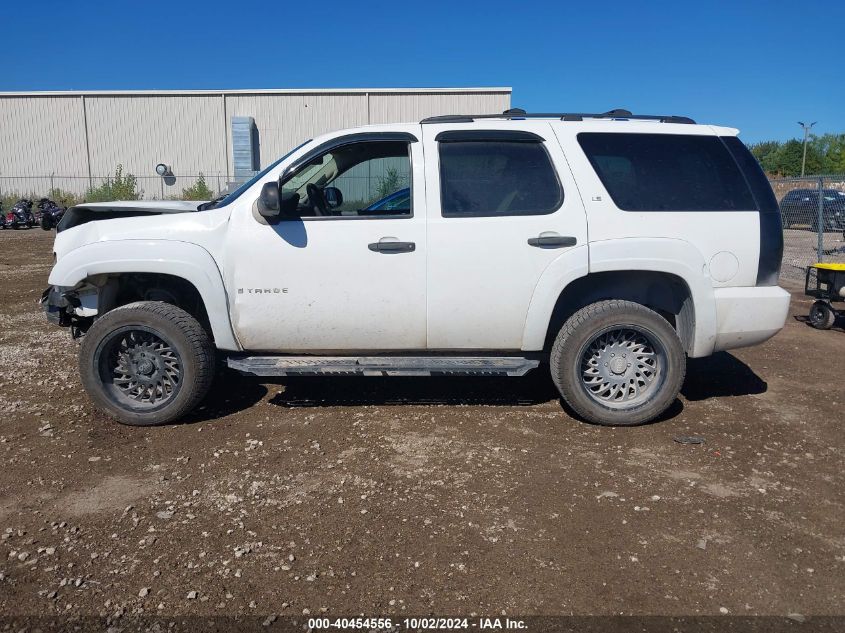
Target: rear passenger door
{"type": "Point", "coordinates": [502, 206]}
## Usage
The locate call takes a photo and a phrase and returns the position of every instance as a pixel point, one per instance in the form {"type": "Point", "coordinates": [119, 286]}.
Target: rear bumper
{"type": "Point", "coordinates": [749, 315]}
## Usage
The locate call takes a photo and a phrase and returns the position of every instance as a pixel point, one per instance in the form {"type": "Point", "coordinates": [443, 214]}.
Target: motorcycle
{"type": "Point", "coordinates": [51, 213]}
{"type": "Point", "coordinates": [20, 215]}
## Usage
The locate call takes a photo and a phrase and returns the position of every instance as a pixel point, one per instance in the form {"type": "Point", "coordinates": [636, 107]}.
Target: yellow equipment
{"type": "Point", "coordinates": [825, 282]}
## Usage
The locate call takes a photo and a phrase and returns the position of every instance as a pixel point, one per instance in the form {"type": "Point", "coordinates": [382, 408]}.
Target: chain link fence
{"type": "Point", "coordinates": [77, 189]}
{"type": "Point", "coordinates": [812, 207]}
{"type": "Point", "coordinates": [357, 185]}
{"type": "Point", "coordinates": [813, 213]}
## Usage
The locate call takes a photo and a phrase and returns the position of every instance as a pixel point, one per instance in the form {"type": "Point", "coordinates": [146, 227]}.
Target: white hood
{"type": "Point", "coordinates": [135, 220]}
{"type": "Point", "coordinates": [153, 206]}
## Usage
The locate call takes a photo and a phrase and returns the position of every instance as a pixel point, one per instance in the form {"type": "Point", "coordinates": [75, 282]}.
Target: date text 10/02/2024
{"type": "Point", "coordinates": [430, 623]}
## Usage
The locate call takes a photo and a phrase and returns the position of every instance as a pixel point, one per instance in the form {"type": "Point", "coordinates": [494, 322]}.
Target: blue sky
{"type": "Point", "coordinates": [759, 66]}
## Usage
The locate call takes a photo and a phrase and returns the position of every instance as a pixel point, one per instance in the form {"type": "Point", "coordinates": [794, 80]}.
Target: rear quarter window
{"type": "Point", "coordinates": [667, 172]}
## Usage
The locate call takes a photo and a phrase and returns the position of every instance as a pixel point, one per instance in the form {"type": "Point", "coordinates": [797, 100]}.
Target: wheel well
{"type": "Point", "coordinates": [666, 294]}
{"type": "Point", "coordinates": [126, 288]}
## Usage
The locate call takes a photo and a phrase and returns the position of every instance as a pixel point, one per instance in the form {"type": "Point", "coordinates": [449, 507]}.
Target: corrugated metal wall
{"type": "Point", "coordinates": [62, 134]}
{"type": "Point", "coordinates": [40, 137]}
{"type": "Point", "coordinates": [139, 132]}
{"type": "Point", "coordinates": [283, 123]}
{"type": "Point", "coordinates": [392, 108]}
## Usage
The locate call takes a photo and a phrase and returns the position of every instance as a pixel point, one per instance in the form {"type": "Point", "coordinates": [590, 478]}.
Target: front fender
{"type": "Point", "coordinates": [180, 259]}
{"type": "Point", "coordinates": [673, 256]}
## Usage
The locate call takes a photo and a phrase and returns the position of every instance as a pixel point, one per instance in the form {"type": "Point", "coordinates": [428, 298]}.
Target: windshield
{"type": "Point", "coordinates": [237, 193]}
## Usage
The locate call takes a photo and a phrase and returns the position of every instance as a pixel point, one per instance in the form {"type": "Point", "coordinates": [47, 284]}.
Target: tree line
{"type": "Point", "coordinates": [825, 155]}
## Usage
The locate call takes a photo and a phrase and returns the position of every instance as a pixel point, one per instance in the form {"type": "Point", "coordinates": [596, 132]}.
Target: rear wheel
{"type": "Point", "coordinates": [146, 363]}
{"type": "Point", "coordinates": [618, 363]}
{"type": "Point", "coordinates": [827, 225]}
{"type": "Point", "coordinates": [822, 316]}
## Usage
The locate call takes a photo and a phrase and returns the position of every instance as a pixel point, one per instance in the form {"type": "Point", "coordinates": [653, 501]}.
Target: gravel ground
{"type": "Point", "coordinates": [391, 496]}
{"type": "Point", "coordinates": [800, 249]}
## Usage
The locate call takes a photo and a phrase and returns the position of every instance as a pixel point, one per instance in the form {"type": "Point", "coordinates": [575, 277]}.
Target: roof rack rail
{"type": "Point", "coordinates": [519, 113]}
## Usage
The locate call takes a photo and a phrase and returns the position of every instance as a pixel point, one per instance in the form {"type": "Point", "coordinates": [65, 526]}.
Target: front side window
{"type": "Point", "coordinates": [497, 179]}
{"type": "Point", "coordinates": [667, 172]}
{"type": "Point", "coordinates": [364, 179]}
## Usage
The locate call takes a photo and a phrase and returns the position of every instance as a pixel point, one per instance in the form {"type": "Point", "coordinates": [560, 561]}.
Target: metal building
{"type": "Point", "coordinates": [71, 140]}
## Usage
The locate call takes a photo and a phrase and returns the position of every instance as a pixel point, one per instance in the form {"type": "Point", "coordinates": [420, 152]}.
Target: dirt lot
{"type": "Point", "coordinates": [394, 496]}
{"type": "Point", "coordinates": [800, 249]}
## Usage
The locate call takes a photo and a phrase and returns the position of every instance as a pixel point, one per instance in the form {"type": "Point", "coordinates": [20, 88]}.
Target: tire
{"type": "Point", "coordinates": [827, 226]}
{"type": "Point", "coordinates": [822, 316]}
{"type": "Point", "coordinates": [603, 330]}
{"type": "Point", "coordinates": [146, 363]}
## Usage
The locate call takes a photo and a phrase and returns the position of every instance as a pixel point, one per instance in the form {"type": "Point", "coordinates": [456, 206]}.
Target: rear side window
{"type": "Point", "coordinates": [754, 175]}
{"type": "Point", "coordinates": [771, 229]}
{"type": "Point", "coordinates": [667, 172]}
{"type": "Point", "coordinates": [497, 178]}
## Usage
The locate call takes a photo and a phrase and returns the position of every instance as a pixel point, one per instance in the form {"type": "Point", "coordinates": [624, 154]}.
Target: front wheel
{"type": "Point", "coordinates": [822, 316]}
{"type": "Point", "coordinates": [146, 363]}
{"type": "Point", "coordinates": [618, 363]}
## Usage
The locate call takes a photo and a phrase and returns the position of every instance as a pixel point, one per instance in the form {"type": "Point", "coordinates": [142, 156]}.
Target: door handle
{"type": "Point", "coordinates": [550, 239]}
{"type": "Point", "coordinates": [390, 245]}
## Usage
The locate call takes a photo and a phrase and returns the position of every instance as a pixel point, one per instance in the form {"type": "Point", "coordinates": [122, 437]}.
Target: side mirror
{"type": "Point", "coordinates": [333, 196]}
{"type": "Point", "coordinates": [268, 201]}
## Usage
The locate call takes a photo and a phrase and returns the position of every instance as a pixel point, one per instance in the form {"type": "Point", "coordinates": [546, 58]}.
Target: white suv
{"type": "Point", "coordinates": [609, 246]}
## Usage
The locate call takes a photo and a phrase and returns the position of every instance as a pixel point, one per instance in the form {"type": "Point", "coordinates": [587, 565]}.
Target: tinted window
{"type": "Point", "coordinates": [754, 175]}
{"type": "Point", "coordinates": [771, 228]}
{"type": "Point", "coordinates": [497, 178]}
{"type": "Point", "coordinates": [667, 172]}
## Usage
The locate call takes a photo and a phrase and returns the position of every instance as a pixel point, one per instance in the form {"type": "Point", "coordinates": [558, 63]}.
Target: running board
{"type": "Point", "coordinates": [383, 365]}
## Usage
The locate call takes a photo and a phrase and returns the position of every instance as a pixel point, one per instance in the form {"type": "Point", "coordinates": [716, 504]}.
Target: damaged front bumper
{"type": "Point", "coordinates": [58, 305]}
{"type": "Point", "coordinates": [62, 306]}
{"type": "Point", "coordinates": [74, 307]}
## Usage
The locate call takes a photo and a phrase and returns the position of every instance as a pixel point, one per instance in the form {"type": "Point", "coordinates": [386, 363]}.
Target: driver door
{"type": "Point", "coordinates": [348, 274]}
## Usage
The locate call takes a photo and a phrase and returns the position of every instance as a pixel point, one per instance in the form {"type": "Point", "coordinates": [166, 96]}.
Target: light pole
{"type": "Point", "coordinates": [806, 133]}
